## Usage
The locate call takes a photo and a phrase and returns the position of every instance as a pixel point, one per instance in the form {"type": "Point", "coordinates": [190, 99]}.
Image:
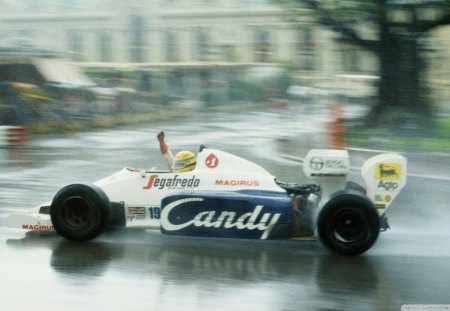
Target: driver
{"type": "Point", "coordinates": [184, 161]}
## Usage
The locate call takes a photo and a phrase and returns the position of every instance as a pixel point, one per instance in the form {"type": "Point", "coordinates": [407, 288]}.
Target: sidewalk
{"type": "Point", "coordinates": [420, 164]}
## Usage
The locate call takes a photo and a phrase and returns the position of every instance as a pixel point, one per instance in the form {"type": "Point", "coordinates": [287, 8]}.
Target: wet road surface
{"type": "Point", "coordinates": [145, 270]}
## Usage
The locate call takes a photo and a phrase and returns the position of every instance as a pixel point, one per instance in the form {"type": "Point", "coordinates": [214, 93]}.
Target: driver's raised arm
{"type": "Point", "coordinates": [165, 149]}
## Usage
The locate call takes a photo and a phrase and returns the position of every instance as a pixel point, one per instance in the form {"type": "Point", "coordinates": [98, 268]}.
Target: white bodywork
{"type": "Point", "coordinates": [328, 168]}
{"type": "Point", "coordinates": [141, 191]}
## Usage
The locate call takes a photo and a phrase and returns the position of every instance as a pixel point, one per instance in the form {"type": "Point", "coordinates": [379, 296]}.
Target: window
{"type": "Point", "coordinates": [171, 45]}
{"type": "Point", "coordinates": [176, 85]}
{"type": "Point", "coordinates": [202, 43]}
{"type": "Point", "coordinates": [137, 40]}
{"type": "Point", "coordinates": [351, 60]}
{"type": "Point", "coordinates": [104, 46]}
{"type": "Point", "coordinates": [306, 50]}
{"type": "Point", "coordinates": [76, 45]}
{"type": "Point", "coordinates": [263, 48]}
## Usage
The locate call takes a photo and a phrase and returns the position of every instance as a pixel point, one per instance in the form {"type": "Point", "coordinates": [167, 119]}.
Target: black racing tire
{"type": "Point", "coordinates": [348, 224]}
{"type": "Point", "coordinates": [80, 212]}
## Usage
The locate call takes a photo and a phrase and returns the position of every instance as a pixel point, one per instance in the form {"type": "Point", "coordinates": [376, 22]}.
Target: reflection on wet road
{"type": "Point", "coordinates": [145, 270]}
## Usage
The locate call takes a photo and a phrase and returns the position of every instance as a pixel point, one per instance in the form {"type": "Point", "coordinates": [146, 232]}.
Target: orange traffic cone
{"type": "Point", "coordinates": [336, 128]}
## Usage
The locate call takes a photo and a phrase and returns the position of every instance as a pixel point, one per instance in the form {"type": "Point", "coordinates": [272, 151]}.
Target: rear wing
{"type": "Point", "coordinates": [384, 174]}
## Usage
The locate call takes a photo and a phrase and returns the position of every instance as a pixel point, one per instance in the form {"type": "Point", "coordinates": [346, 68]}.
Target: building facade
{"type": "Point", "coordinates": [171, 31]}
{"type": "Point", "coordinates": [187, 32]}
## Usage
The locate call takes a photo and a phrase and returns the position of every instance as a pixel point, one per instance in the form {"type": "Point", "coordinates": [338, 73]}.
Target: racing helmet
{"type": "Point", "coordinates": [184, 161]}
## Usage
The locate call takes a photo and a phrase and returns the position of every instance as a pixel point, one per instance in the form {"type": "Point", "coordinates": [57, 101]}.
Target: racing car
{"type": "Point", "coordinates": [227, 196]}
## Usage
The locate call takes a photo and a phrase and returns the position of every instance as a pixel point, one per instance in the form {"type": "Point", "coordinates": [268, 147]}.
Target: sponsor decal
{"type": "Point", "coordinates": [226, 182]}
{"type": "Point", "coordinates": [254, 220]}
{"type": "Point", "coordinates": [211, 161]}
{"type": "Point", "coordinates": [174, 182]}
{"type": "Point", "coordinates": [140, 213]}
{"type": "Point", "coordinates": [387, 185]}
{"type": "Point", "coordinates": [388, 171]}
{"type": "Point", "coordinates": [380, 206]}
{"type": "Point", "coordinates": [38, 227]}
{"type": "Point", "coordinates": [378, 198]}
{"type": "Point", "coordinates": [136, 212]}
{"type": "Point", "coordinates": [317, 164]}
{"type": "Point", "coordinates": [327, 175]}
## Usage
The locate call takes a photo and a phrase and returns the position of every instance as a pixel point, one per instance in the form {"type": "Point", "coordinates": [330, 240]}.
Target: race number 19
{"type": "Point", "coordinates": [154, 212]}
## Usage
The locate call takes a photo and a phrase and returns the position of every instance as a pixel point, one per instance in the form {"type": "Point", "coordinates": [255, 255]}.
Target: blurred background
{"type": "Point", "coordinates": [85, 85]}
{"type": "Point", "coordinates": [68, 65]}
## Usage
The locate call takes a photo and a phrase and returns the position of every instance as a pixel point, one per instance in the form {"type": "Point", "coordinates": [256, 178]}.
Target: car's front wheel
{"type": "Point", "coordinates": [80, 212]}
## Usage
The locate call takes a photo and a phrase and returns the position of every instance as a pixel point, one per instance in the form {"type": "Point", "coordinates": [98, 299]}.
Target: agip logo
{"type": "Point", "coordinates": [388, 171]}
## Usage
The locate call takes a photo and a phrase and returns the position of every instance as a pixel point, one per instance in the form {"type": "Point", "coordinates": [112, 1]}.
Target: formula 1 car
{"type": "Point", "coordinates": [228, 196]}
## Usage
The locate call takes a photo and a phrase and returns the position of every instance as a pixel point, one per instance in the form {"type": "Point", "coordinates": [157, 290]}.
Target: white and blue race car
{"type": "Point", "coordinates": [228, 196]}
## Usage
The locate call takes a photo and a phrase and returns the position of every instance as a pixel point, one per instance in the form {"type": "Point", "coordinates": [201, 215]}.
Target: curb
{"type": "Point", "coordinates": [12, 135]}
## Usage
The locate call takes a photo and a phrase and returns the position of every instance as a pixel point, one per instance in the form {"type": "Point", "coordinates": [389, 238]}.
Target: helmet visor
{"type": "Point", "coordinates": [183, 164]}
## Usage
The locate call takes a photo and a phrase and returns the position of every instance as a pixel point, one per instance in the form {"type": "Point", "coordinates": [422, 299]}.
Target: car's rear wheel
{"type": "Point", "coordinates": [80, 212]}
{"type": "Point", "coordinates": [348, 224]}
{"type": "Point", "coordinates": [355, 186]}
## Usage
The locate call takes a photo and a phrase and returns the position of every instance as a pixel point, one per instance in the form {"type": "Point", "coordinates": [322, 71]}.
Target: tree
{"type": "Point", "coordinates": [397, 27]}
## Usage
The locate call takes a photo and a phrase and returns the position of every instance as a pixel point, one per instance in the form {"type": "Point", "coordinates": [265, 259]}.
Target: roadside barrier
{"type": "Point", "coordinates": [12, 135]}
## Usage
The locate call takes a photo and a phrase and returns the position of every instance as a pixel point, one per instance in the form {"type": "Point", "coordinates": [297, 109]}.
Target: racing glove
{"type": "Point", "coordinates": [162, 143]}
